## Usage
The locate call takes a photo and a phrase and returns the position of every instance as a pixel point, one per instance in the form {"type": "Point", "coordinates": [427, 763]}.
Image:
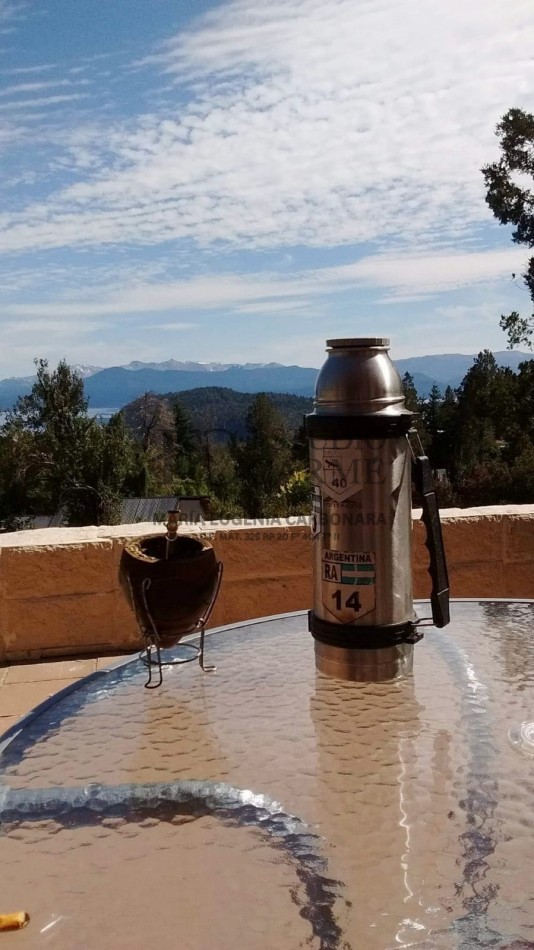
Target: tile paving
{"type": "Point", "coordinates": [25, 685]}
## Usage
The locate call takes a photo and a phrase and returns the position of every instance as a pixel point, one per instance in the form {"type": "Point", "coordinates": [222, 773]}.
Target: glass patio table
{"type": "Point", "coordinates": [270, 807]}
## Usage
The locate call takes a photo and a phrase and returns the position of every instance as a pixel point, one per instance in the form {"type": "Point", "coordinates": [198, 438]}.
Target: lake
{"type": "Point", "coordinates": [104, 413]}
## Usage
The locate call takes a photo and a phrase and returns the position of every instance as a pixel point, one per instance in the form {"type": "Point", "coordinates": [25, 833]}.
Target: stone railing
{"type": "Point", "coordinates": [59, 592]}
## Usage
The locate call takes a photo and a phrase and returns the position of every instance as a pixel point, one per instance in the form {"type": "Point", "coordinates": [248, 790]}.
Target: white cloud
{"type": "Point", "coordinates": [19, 330]}
{"type": "Point", "coordinates": [415, 276]}
{"type": "Point", "coordinates": [279, 306]}
{"type": "Point", "coordinates": [40, 102]}
{"type": "Point", "coordinates": [170, 327]}
{"type": "Point", "coordinates": [23, 87]}
{"type": "Point", "coordinates": [25, 70]}
{"type": "Point", "coordinates": [316, 123]}
{"type": "Point", "coordinates": [199, 293]}
{"type": "Point", "coordinates": [405, 275]}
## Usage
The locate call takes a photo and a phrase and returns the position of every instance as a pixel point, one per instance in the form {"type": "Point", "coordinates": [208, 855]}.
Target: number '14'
{"type": "Point", "coordinates": [352, 602]}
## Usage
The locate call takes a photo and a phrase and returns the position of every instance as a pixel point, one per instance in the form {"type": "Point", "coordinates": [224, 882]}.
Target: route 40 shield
{"type": "Point", "coordinates": [341, 474]}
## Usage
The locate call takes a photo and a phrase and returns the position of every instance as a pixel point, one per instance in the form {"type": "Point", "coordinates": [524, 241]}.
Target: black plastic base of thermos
{"type": "Point", "coordinates": [351, 637]}
{"type": "Point", "coordinates": [374, 426]}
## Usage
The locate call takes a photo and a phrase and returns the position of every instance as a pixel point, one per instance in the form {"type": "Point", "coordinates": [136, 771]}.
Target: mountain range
{"type": "Point", "coordinates": [116, 386]}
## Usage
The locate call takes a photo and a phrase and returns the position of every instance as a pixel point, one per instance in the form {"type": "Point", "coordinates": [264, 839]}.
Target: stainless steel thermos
{"type": "Point", "coordinates": [363, 619]}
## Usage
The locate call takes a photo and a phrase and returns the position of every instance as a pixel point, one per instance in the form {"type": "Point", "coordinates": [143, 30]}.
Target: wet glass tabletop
{"type": "Point", "coordinates": [267, 805]}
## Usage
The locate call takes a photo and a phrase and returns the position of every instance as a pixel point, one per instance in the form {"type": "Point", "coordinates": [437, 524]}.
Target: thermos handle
{"type": "Point", "coordinates": [439, 597]}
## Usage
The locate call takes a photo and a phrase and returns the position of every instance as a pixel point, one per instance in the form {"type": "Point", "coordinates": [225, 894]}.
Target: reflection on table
{"type": "Point", "coordinates": [272, 806]}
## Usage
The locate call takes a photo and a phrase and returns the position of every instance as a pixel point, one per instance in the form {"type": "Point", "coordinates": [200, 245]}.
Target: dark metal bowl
{"type": "Point", "coordinates": [169, 584]}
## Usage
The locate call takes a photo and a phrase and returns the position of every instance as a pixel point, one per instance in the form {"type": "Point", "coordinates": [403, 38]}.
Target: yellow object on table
{"type": "Point", "coordinates": [14, 921]}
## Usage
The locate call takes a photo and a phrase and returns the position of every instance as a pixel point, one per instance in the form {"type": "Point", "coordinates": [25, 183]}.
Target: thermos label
{"type": "Point", "coordinates": [350, 586]}
{"type": "Point", "coordinates": [339, 470]}
{"type": "Point", "coordinates": [343, 469]}
{"type": "Point", "coordinates": [340, 474]}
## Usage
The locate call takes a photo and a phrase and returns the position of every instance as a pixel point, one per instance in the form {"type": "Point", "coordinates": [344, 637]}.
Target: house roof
{"type": "Point", "coordinates": [193, 508]}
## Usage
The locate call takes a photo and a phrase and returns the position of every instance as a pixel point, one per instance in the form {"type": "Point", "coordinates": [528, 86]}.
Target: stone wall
{"type": "Point", "coordinates": [59, 593]}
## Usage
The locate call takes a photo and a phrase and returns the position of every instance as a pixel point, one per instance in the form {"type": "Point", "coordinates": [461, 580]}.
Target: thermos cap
{"type": "Point", "coordinates": [358, 378]}
{"type": "Point", "coordinates": [363, 341]}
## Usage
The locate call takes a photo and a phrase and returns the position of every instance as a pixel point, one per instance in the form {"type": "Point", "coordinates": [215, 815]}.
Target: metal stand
{"type": "Point", "coordinates": [151, 655]}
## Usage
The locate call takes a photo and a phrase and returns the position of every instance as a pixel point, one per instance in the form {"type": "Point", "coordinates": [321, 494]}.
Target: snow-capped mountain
{"type": "Point", "coordinates": [194, 367]}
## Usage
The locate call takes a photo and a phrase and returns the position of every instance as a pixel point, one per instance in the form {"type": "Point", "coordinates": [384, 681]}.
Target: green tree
{"type": "Point", "coordinates": [223, 481]}
{"type": "Point", "coordinates": [296, 492]}
{"type": "Point", "coordinates": [16, 454]}
{"type": "Point", "coordinates": [445, 442]}
{"type": "Point", "coordinates": [477, 441]}
{"type": "Point", "coordinates": [411, 397]}
{"type": "Point", "coordinates": [439, 427]}
{"type": "Point", "coordinates": [93, 492]}
{"type": "Point", "coordinates": [300, 449]}
{"type": "Point", "coordinates": [59, 457]}
{"type": "Point", "coordinates": [485, 483]}
{"type": "Point", "coordinates": [510, 196]}
{"type": "Point", "coordinates": [48, 429]}
{"type": "Point", "coordinates": [432, 411]}
{"type": "Point", "coordinates": [264, 460]}
{"type": "Point", "coordinates": [487, 411]}
{"type": "Point", "coordinates": [430, 414]}
{"type": "Point", "coordinates": [524, 401]}
{"type": "Point", "coordinates": [522, 477]}
{"type": "Point", "coordinates": [415, 405]}
{"type": "Point", "coordinates": [55, 403]}
{"type": "Point", "coordinates": [188, 466]}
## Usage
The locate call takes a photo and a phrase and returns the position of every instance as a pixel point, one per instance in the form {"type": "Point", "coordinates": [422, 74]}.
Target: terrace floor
{"type": "Point", "coordinates": [24, 685]}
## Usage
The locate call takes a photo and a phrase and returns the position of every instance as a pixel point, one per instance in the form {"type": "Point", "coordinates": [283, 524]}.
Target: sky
{"type": "Point", "coordinates": [239, 181]}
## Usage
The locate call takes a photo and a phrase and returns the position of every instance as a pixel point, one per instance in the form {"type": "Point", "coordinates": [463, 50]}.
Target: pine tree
{"type": "Point", "coordinates": [445, 447]}
{"type": "Point", "coordinates": [188, 461]}
{"type": "Point", "coordinates": [264, 461]}
{"type": "Point", "coordinates": [484, 400]}
{"type": "Point", "coordinates": [512, 202]}
{"type": "Point", "coordinates": [415, 405]}
{"type": "Point", "coordinates": [411, 397]}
